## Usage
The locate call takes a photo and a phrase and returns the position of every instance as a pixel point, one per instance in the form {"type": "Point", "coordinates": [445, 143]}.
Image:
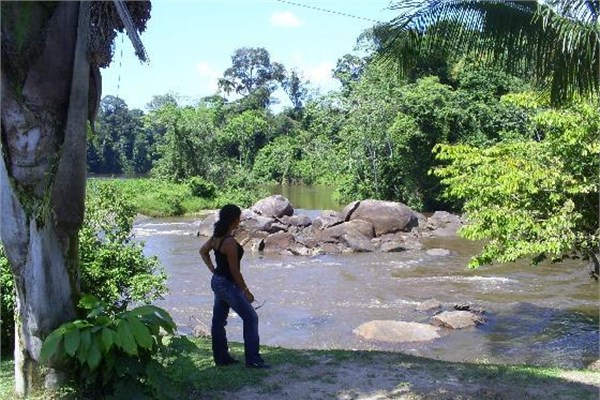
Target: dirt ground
{"type": "Point", "coordinates": [385, 376]}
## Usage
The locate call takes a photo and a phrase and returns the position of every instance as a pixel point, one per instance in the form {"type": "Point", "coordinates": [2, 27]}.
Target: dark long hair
{"type": "Point", "coordinates": [227, 214]}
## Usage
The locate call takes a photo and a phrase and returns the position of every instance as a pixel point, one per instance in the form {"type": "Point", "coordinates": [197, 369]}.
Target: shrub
{"type": "Point", "coordinates": [113, 265]}
{"type": "Point", "coordinates": [112, 353]}
{"type": "Point", "coordinates": [199, 187]}
{"type": "Point", "coordinates": [241, 188]}
{"type": "Point", "coordinates": [7, 304]}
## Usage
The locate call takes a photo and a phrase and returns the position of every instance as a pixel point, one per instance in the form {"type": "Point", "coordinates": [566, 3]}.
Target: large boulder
{"type": "Point", "coordinates": [326, 219]}
{"type": "Point", "coordinates": [443, 224]}
{"type": "Point", "coordinates": [279, 242]}
{"type": "Point", "coordinates": [253, 222]}
{"type": "Point", "coordinates": [399, 241]}
{"type": "Point", "coordinates": [296, 220]}
{"type": "Point", "coordinates": [364, 228]}
{"type": "Point", "coordinates": [386, 216]}
{"type": "Point", "coordinates": [396, 331]}
{"type": "Point", "coordinates": [358, 242]}
{"type": "Point", "coordinates": [457, 319]}
{"type": "Point", "coordinates": [273, 206]}
{"type": "Point", "coordinates": [306, 238]}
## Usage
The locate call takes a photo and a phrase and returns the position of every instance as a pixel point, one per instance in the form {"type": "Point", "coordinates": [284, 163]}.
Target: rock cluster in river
{"type": "Point", "coordinates": [461, 317]}
{"type": "Point", "coordinates": [270, 226]}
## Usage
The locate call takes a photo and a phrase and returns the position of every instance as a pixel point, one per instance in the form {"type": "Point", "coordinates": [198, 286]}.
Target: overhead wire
{"type": "Point", "coordinates": [328, 11]}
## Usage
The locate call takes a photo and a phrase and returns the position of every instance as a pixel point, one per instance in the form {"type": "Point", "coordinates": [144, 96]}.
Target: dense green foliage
{"type": "Point", "coordinates": [120, 144]}
{"type": "Point", "coordinates": [533, 189]}
{"type": "Point", "coordinates": [374, 138]}
{"type": "Point", "coordinates": [111, 354]}
{"type": "Point", "coordinates": [159, 197]}
{"type": "Point", "coordinates": [381, 136]}
{"type": "Point", "coordinates": [7, 304]}
{"type": "Point", "coordinates": [532, 198]}
{"type": "Point", "coordinates": [113, 265]}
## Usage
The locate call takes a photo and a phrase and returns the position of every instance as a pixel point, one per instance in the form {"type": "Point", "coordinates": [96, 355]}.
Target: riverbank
{"type": "Point", "coordinates": [161, 198]}
{"type": "Point", "coordinates": [347, 374]}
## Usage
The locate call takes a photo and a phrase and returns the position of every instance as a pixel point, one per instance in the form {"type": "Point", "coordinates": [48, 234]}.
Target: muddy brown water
{"type": "Point", "coordinates": [544, 315]}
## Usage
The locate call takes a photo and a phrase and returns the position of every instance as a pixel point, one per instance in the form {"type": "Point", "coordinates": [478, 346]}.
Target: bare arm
{"type": "Point", "coordinates": [204, 253]}
{"type": "Point", "coordinates": [231, 250]}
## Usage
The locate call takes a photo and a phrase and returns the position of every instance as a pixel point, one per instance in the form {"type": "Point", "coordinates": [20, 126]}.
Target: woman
{"type": "Point", "coordinates": [230, 290]}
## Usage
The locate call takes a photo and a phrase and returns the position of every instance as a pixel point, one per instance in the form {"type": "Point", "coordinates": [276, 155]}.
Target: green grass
{"type": "Point", "coordinates": [7, 381]}
{"type": "Point", "coordinates": [158, 198]}
{"type": "Point", "coordinates": [7, 385]}
{"type": "Point", "coordinates": [191, 374]}
{"type": "Point", "coordinates": [161, 198]}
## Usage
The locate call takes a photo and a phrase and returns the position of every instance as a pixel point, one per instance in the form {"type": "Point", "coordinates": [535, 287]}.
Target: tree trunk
{"type": "Point", "coordinates": [45, 84]}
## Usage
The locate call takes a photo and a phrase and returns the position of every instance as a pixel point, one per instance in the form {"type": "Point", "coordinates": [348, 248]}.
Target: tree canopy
{"type": "Point", "coordinates": [252, 73]}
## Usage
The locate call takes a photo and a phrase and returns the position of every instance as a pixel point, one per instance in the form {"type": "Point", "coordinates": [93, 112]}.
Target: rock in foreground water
{"type": "Point", "coordinates": [397, 331]}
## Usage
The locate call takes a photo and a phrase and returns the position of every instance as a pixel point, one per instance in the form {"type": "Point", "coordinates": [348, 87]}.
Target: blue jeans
{"type": "Point", "coordinates": [229, 295]}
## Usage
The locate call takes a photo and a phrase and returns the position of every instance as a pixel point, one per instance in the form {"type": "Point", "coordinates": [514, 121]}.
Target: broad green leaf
{"type": "Point", "coordinates": [140, 332]}
{"type": "Point", "coordinates": [84, 346]}
{"type": "Point", "coordinates": [51, 344]}
{"type": "Point", "coordinates": [97, 310]}
{"type": "Point", "coordinates": [156, 313]}
{"type": "Point", "coordinates": [116, 339]}
{"type": "Point", "coordinates": [94, 356]}
{"type": "Point", "coordinates": [126, 336]}
{"type": "Point", "coordinates": [169, 324]}
{"type": "Point", "coordinates": [72, 338]}
{"type": "Point", "coordinates": [107, 339]}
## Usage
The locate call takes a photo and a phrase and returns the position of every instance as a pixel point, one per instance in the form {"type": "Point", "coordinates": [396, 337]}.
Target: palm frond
{"type": "Point", "coordinates": [132, 32]}
{"type": "Point", "coordinates": [557, 42]}
{"type": "Point", "coordinates": [575, 63]}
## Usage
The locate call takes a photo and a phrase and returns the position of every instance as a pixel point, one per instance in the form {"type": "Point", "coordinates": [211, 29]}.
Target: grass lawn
{"type": "Point", "coordinates": [343, 374]}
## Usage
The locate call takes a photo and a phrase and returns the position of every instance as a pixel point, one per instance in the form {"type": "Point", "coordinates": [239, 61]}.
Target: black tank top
{"type": "Point", "coordinates": [221, 259]}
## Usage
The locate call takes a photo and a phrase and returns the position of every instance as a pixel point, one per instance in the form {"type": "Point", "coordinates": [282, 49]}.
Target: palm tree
{"type": "Point", "coordinates": [557, 42]}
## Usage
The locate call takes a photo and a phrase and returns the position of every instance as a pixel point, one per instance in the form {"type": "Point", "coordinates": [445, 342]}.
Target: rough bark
{"type": "Point", "coordinates": [42, 171]}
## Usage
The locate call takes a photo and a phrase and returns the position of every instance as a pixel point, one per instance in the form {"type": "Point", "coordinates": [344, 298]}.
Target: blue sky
{"type": "Point", "coordinates": [190, 43]}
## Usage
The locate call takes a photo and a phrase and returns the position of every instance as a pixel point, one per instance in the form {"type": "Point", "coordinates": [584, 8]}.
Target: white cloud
{"type": "Point", "coordinates": [286, 20]}
{"type": "Point", "coordinates": [317, 73]}
{"type": "Point", "coordinates": [320, 73]}
{"type": "Point", "coordinates": [205, 70]}
{"type": "Point", "coordinates": [209, 76]}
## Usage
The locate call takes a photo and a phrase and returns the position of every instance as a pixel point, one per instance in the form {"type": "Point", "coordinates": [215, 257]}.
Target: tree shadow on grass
{"type": "Point", "coordinates": [340, 374]}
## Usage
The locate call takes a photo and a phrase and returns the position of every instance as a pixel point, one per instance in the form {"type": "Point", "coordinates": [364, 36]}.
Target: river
{"type": "Point", "coordinates": [545, 315]}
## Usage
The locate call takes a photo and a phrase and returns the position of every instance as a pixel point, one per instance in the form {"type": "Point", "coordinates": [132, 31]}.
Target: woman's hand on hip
{"type": "Point", "coordinates": [249, 296]}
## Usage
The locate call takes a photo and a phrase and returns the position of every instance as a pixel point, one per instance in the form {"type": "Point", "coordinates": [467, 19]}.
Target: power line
{"type": "Point", "coordinates": [328, 11]}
